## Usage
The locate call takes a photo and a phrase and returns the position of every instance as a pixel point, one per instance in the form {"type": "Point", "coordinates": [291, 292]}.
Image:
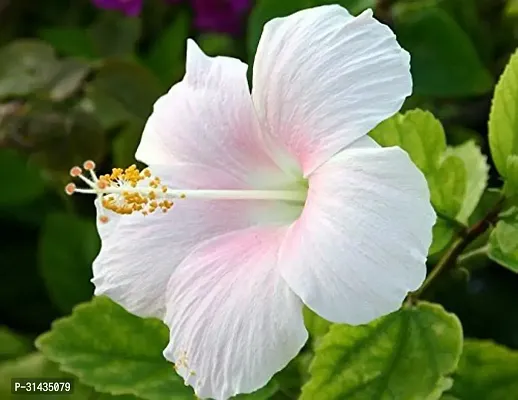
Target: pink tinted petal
{"type": "Point", "coordinates": [361, 242]}
{"type": "Point", "coordinates": [323, 78]}
{"type": "Point", "coordinates": [208, 120]}
{"type": "Point", "coordinates": [234, 322]}
{"type": "Point", "coordinates": [139, 253]}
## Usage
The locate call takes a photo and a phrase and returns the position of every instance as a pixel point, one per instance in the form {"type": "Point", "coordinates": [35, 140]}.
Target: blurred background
{"type": "Point", "coordinates": [78, 79]}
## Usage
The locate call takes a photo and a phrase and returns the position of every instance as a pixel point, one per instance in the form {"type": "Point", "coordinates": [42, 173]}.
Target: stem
{"type": "Point", "coordinates": [462, 241]}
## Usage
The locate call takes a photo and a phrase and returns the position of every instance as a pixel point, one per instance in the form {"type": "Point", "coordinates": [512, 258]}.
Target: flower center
{"type": "Point", "coordinates": [130, 190]}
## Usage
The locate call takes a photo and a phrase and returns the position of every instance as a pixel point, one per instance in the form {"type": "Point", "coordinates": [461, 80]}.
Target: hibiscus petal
{"type": "Point", "coordinates": [234, 321]}
{"type": "Point", "coordinates": [208, 121]}
{"type": "Point", "coordinates": [362, 240]}
{"type": "Point", "coordinates": [139, 253]}
{"type": "Point", "coordinates": [323, 78]}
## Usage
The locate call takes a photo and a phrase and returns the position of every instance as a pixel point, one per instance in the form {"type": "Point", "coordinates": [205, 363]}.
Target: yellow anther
{"type": "Point", "coordinates": [123, 191]}
{"type": "Point", "coordinates": [183, 196]}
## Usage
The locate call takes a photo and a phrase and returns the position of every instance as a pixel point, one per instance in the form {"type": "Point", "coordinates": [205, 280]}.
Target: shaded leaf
{"type": "Point", "coordinates": [130, 84]}
{"type": "Point", "coordinates": [68, 78]}
{"type": "Point", "coordinates": [503, 119]}
{"type": "Point", "coordinates": [444, 61]}
{"type": "Point", "coordinates": [125, 144]}
{"type": "Point", "coordinates": [25, 66]}
{"type": "Point", "coordinates": [168, 52]}
{"type": "Point", "coordinates": [404, 355]}
{"type": "Point", "coordinates": [113, 34]}
{"type": "Point", "coordinates": [22, 181]}
{"type": "Point", "coordinates": [12, 345]}
{"type": "Point", "coordinates": [443, 232]}
{"type": "Point", "coordinates": [486, 371]}
{"type": "Point", "coordinates": [114, 351]}
{"type": "Point", "coordinates": [67, 248]}
{"type": "Point", "coordinates": [107, 110]}
{"type": "Point", "coordinates": [74, 42]}
{"type": "Point", "coordinates": [264, 11]}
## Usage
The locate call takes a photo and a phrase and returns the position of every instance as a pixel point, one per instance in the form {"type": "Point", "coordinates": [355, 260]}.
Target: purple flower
{"type": "Point", "coordinates": [220, 15]}
{"type": "Point", "coordinates": [223, 16]}
{"type": "Point", "coordinates": [131, 8]}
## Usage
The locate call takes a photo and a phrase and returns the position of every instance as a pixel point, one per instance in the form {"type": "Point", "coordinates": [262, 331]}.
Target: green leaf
{"type": "Point", "coordinates": [167, 55]}
{"type": "Point", "coordinates": [503, 118]}
{"type": "Point", "coordinates": [443, 385]}
{"type": "Point", "coordinates": [114, 35]}
{"type": "Point", "coordinates": [125, 145]}
{"type": "Point", "coordinates": [114, 351]}
{"type": "Point", "coordinates": [68, 79]}
{"type": "Point", "coordinates": [264, 393]}
{"type": "Point", "coordinates": [74, 42]}
{"type": "Point", "coordinates": [443, 232]}
{"type": "Point", "coordinates": [503, 243]}
{"type": "Point", "coordinates": [218, 44]}
{"type": "Point", "coordinates": [448, 186]}
{"type": "Point", "coordinates": [12, 345]}
{"type": "Point", "coordinates": [264, 11]}
{"type": "Point", "coordinates": [25, 66]}
{"type": "Point", "coordinates": [404, 355]}
{"type": "Point", "coordinates": [132, 86]}
{"type": "Point", "coordinates": [417, 132]}
{"type": "Point", "coordinates": [107, 110]}
{"type": "Point", "coordinates": [477, 172]}
{"type": "Point", "coordinates": [63, 140]}
{"type": "Point", "coordinates": [355, 7]}
{"type": "Point", "coordinates": [444, 61]}
{"type": "Point", "coordinates": [511, 185]}
{"type": "Point", "coordinates": [67, 248]}
{"type": "Point", "coordinates": [486, 371]}
{"type": "Point", "coordinates": [22, 181]}
{"type": "Point", "coordinates": [315, 324]}
{"type": "Point", "coordinates": [35, 365]}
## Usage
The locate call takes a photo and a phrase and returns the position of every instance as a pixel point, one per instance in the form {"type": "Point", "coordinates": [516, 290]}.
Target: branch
{"type": "Point", "coordinates": [462, 241]}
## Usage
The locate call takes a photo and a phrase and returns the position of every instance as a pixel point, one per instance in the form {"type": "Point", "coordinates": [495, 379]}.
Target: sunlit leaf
{"type": "Point", "coordinates": [477, 171]}
{"type": "Point", "coordinates": [417, 132]}
{"type": "Point", "coordinates": [68, 245]}
{"type": "Point", "coordinates": [114, 351]}
{"type": "Point", "coordinates": [404, 355]}
{"type": "Point", "coordinates": [486, 371]}
{"type": "Point", "coordinates": [35, 365]}
{"type": "Point", "coordinates": [448, 186]}
{"type": "Point", "coordinates": [503, 243]}
{"type": "Point", "coordinates": [503, 119]}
